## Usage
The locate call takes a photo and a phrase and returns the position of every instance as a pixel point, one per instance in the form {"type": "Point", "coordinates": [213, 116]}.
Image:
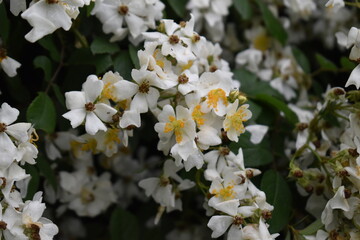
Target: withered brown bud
{"type": "Point", "coordinates": [266, 214]}
{"type": "Point", "coordinates": [309, 189]}
{"type": "Point", "coordinates": [353, 152]}
{"type": "Point", "coordinates": [298, 173]}
{"type": "Point", "coordinates": [347, 193]}
{"type": "Point", "coordinates": [302, 126]}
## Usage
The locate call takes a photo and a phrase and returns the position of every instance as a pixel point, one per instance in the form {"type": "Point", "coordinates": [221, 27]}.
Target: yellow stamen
{"type": "Point", "coordinates": [176, 126]}
{"type": "Point", "coordinates": [236, 120]}
{"type": "Point", "coordinates": [187, 66]}
{"type": "Point", "coordinates": [214, 96]}
{"type": "Point", "coordinates": [261, 42]}
{"type": "Point", "coordinates": [197, 115]}
{"type": "Point", "coordinates": [225, 193]}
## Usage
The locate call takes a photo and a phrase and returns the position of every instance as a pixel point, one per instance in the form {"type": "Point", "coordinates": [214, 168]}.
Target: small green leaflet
{"type": "Point", "coordinates": [301, 59]}
{"type": "Point", "coordinates": [277, 194]}
{"type": "Point", "coordinates": [273, 25]}
{"type": "Point", "coordinates": [42, 113]}
{"type": "Point", "coordinates": [123, 225]}
{"type": "Point", "coordinates": [101, 45]}
{"type": "Point", "coordinates": [312, 228]}
{"type": "Point", "coordinates": [179, 7]}
{"type": "Point", "coordinates": [325, 63]}
{"type": "Point", "coordinates": [44, 63]}
{"type": "Point", "coordinates": [244, 8]}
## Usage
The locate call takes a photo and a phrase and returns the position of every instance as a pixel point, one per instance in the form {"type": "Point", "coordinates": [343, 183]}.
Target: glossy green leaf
{"type": "Point", "coordinates": [347, 64]}
{"type": "Point", "coordinates": [102, 63]}
{"type": "Point", "coordinates": [280, 105]}
{"type": "Point", "coordinates": [44, 63]}
{"type": "Point", "coordinates": [255, 155]}
{"type": "Point", "coordinates": [244, 8]}
{"type": "Point", "coordinates": [48, 43]}
{"type": "Point", "coordinates": [255, 109]}
{"type": "Point", "coordinates": [273, 25]}
{"type": "Point", "coordinates": [101, 45]}
{"type": "Point", "coordinates": [301, 59]}
{"type": "Point", "coordinates": [312, 228]}
{"type": "Point", "coordinates": [133, 55]}
{"type": "Point", "coordinates": [123, 64]}
{"type": "Point", "coordinates": [325, 63]}
{"type": "Point", "coordinates": [179, 7]}
{"type": "Point", "coordinates": [58, 94]}
{"type": "Point", "coordinates": [277, 194]}
{"type": "Point", "coordinates": [123, 225]}
{"type": "Point", "coordinates": [251, 85]}
{"type": "Point", "coordinates": [34, 181]}
{"type": "Point", "coordinates": [4, 23]}
{"type": "Point", "coordinates": [46, 170]}
{"type": "Point", "coordinates": [42, 113]}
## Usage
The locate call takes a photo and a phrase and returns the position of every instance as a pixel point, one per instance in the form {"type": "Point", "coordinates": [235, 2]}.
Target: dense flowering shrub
{"type": "Point", "coordinates": [179, 119]}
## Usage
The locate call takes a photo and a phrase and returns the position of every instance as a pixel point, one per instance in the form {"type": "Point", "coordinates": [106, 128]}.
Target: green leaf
{"type": "Point", "coordinates": [255, 109]}
{"type": "Point", "coordinates": [123, 64]}
{"type": "Point", "coordinates": [134, 57]}
{"type": "Point", "coordinates": [179, 7]}
{"type": "Point", "coordinates": [251, 85]}
{"type": "Point", "coordinates": [244, 8]}
{"type": "Point", "coordinates": [42, 113]}
{"type": "Point", "coordinates": [277, 194]}
{"type": "Point", "coordinates": [325, 63]}
{"type": "Point", "coordinates": [44, 63]}
{"type": "Point", "coordinates": [280, 105]}
{"type": "Point", "coordinates": [123, 225]}
{"type": "Point", "coordinates": [312, 228]}
{"type": "Point", "coordinates": [273, 25]}
{"type": "Point", "coordinates": [49, 44]}
{"type": "Point", "coordinates": [101, 45]}
{"type": "Point", "coordinates": [255, 155]}
{"type": "Point", "coordinates": [102, 63]}
{"type": "Point", "coordinates": [347, 64]}
{"type": "Point", "coordinates": [34, 181]}
{"type": "Point", "coordinates": [58, 94]}
{"type": "Point", "coordinates": [4, 23]}
{"type": "Point", "coordinates": [46, 170]}
{"type": "Point", "coordinates": [301, 59]}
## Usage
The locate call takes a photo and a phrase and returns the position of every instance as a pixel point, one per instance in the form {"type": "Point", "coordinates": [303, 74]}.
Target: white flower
{"type": "Point", "coordinates": [8, 64]}
{"type": "Point", "coordinates": [83, 106]}
{"type": "Point", "coordinates": [17, 131]}
{"type": "Point", "coordinates": [122, 16]}
{"type": "Point", "coordinates": [233, 123]}
{"type": "Point", "coordinates": [45, 16]}
{"type": "Point", "coordinates": [335, 4]}
{"type": "Point", "coordinates": [17, 6]}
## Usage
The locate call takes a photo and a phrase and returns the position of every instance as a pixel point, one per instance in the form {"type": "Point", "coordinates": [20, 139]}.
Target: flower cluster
{"type": "Point", "coordinates": [19, 219]}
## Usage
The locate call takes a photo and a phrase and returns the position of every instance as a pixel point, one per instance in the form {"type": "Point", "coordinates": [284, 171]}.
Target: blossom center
{"type": "Point", "coordinates": [108, 91]}
{"type": "Point", "coordinates": [238, 221]}
{"type": "Point", "coordinates": [226, 193]}
{"type": "Point", "coordinates": [112, 137]}
{"type": "Point", "coordinates": [3, 185]}
{"type": "Point", "coordinates": [164, 181]}
{"type": "Point", "coordinates": [3, 127]}
{"type": "Point", "coordinates": [174, 39]}
{"type": "Point", "coordinates": [182, 79]}
{"type": "Point", "coordinates": [32, 231]}
{"type": "Point", "coordinates": [197, 115]}
{"type": "Point", "coordinates": [144, 87]}
{"type": "Point", "coordinates": [52, 1]}
{"type": "Point", "coordinates": [3, 225]}
{"type": "Point", "coordinates": [214, 96]}
{"type": "Point", "coordinates": [123, 9]}
{"type": "Point", "coordinates": [90, 106]}
{"type": "Point", "coordinates": [3, 54]}
{"type": "Point", "coordinates": [87, 196]}
{"type": "Point", "coordinates": [224, 151]}
{"type": "Point", "coordinates": [176, 126]}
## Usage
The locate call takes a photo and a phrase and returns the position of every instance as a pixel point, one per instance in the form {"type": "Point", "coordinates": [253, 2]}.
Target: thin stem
{"type": "Point", "coordinates": [58, 69]}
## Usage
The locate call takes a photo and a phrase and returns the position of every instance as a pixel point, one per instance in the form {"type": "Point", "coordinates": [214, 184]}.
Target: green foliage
{"type": "Point", "coordinates": [273, 25]}
{"type": "Point", "coordinates": [252, 86]}
{"type": "Point", "coordinates": [279, 105]}
{"type": "Point", "coordinates": [312, 228]}
{"type": "Point", "coordinates": [4, 23]}
{"type": "Point", "coordinates": [45, 169]}
{"type": "Point", "coordinates": [123, 64]}
{"type": "Point", "coordinates": [49, 44]}
{"type": "Point", "coordinates": [133, 55]}
{"type": "Point", "coordinates": [325, 63]}
{"type": "Point", "coordinates": [255, 155]}
{"type": "Point", "coordinates": [278, 194]}
{"type": "Point", "coordinates": [44, 63]}
{"type": "Point", "coordinates": [179, 7]}
{"type": "Point", "coordinates": [244, 8]}
{"type": "Point", "coordinates": [42, 113]}
{"type": "Point", "coordinates": [123, 225]}
{"type": "Point", "coordinates": [301, 59]}
{"type": "Point", "coordinates": [346, 64]}
{"type": "Point", "coordinates": [83, 56]}
{"type": "Point", "coordinates": [102, 45]}
{"type": "Point", "coordinates": [34, 181]}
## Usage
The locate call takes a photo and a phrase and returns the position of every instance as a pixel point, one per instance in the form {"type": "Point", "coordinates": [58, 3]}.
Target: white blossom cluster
{"type": "Point", "coordinates": [183, 81]}
{"type": "Point", "coordinates": [19, 219]}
